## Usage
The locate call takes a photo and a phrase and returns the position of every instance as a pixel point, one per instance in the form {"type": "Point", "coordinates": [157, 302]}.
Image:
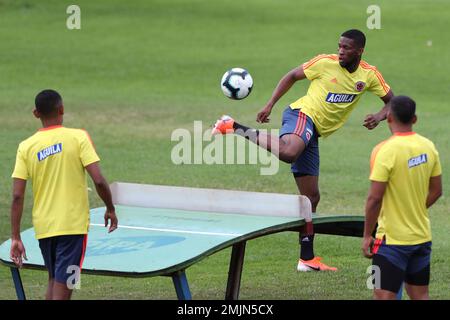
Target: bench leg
{"type": "Point", "coordinates": [235, 271]}
{"type": "Point", "coordinates": [18, 283]}
{"type": "Point", "coordinates": [181, 285]}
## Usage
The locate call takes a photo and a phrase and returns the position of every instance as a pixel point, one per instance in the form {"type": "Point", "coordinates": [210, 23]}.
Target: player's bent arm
{"type": "Point", "coordinates": [104, 192]}
{"type": "Point", "coordinates": [17, 252]}
{"type": "Point", "coordinates": [382, 114]}
{"type": "Point", "coordinates": [434, 190]}
{"type": "Point", "coordinates": [373, 206]}
{"type": "Point", "coordinates": [387, 97]}
{"type": "Point", "coordinates": [286, 83]}
{"type": "Point", "coordinates": [101, 185]}
{"type": "Point", "coordinates": [283, 86]}
{"type": "Point", "coordinates": [18, 198]}
{"type": "Point", "coordinates": [372, 120]}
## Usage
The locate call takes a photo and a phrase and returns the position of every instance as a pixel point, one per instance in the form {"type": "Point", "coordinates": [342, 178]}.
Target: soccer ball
{"type": "Point", "coordinates": [236, 83]}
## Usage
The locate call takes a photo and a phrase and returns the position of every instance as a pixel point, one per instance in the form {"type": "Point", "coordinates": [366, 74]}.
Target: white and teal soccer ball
{"type": "Point", "coordinates": [236, 83]}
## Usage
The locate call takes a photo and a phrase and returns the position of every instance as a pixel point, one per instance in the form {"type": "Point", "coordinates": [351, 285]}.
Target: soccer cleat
{"type": "Point", "coordinates": [223, 126]}
{"type": "Point", "coordinates": [313, 265]}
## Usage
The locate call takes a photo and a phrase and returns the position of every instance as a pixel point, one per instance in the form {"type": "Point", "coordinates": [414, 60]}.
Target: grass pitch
{"type": "Point", "coordinates": [138, 70]}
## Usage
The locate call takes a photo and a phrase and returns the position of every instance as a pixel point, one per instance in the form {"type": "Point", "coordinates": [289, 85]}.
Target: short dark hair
{"type": "Point", "coordinates": [403, 108]}
{"type": "Point", "coordinates": [357, 36]}
{"type": "Point", "coordinates": [47, 102]}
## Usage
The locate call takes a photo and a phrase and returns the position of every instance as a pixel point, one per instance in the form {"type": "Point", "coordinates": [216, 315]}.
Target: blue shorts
{"type": "Point", "coordinates": [402, 263]}
{"type": "Point", "coordinates": [62, 254]}
{"type": "Point", "coordinates": [296, 122]}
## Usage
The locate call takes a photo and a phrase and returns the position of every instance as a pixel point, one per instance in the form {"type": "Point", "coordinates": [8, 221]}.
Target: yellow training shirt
{"type": "Point", "coordinates": [334, 92]}
{"type": "Point", "coordinates": [406, 162]}
{"type": "Point", "coordinates": [54, 159]}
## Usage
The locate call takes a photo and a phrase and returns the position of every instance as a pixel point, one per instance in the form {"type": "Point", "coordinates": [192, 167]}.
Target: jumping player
{"type": "Point", "coordinates": [337, 84]}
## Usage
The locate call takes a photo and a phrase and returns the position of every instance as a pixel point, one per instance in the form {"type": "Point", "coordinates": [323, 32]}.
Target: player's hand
{"type": "Point", "coordinates": [263, 115]}
{"type": "Point", "coordinates": [110, 215]}
{"type": "Point", "coordinates": [366, 247]}
{"type": "Point", "coordinates": [17, 253]}
{"type": "Point", "coordinates": [371, 121]}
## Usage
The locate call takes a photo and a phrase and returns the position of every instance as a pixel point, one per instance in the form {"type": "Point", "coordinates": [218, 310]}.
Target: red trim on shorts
{"type": "Point", "coordinates": [303, 127]}
{"type": "Point", "coordinates": [299, 129]}
{"type": "Point", "coordinates": [84, 250]}
{"type": "Point", "coordinates": [298, 121]}
{"type": "Point", "coordinates": [376, 245]}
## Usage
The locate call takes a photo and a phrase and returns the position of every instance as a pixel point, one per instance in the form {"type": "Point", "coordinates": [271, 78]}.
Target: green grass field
{"type": "Point", "coordinates": [138, 70]}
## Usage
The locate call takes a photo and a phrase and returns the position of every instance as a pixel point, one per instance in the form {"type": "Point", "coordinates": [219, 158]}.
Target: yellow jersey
{"type": "Point", "coordinates": [334, 92]}
{"type": "Point", "coordinates": [406, 161]}
{"type": "Point", "coordinates": [54, 159]}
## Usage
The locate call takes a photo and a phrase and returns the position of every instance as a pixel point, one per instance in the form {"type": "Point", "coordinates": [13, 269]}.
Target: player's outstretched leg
{"type": "Point", "coordinates": [297, 131]}
{"type": "Point", "coordinates": [287, 148]}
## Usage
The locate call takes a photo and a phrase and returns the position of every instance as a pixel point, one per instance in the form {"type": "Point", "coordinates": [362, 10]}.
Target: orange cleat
{"type": "Point", "coordinates": [313, 265]}
{"type": "Point", "coordinates": [223, 126]}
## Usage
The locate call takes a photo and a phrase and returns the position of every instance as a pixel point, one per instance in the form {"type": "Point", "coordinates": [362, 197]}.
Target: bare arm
{"type": "Point", "coordinates": [373, 206]}
{"type": "Point", "coordinates": [372, 120]}
{"type": "Point", "coordinates": [104, 193]}
{"type": "Point", "coordinates": [17, 252]}
{"type": "Point", "coordinates": [434, 191]}
{"type": "Point", "coordinates": [283, 86]}
{"type": "Point", "coordinates": [19, 186]}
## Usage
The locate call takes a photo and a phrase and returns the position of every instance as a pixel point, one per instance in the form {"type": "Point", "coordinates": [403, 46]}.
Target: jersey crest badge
{"type": "Point", "coordinates": [359, 86]}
